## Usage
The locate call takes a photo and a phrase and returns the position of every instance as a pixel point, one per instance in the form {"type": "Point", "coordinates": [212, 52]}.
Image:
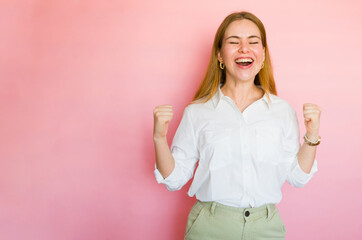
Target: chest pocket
{"type": "Point", "coordinates": [216, 148]}
{"type": "Point", "coordinates": [268, 145]}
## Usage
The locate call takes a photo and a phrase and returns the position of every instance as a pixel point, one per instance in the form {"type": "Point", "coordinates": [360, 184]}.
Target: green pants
{"type": "Point", "coordinates": [212, 220]}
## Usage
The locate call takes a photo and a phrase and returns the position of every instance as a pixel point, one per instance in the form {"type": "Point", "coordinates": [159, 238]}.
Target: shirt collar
{"type": "Point", "coordinates": [219, 95]}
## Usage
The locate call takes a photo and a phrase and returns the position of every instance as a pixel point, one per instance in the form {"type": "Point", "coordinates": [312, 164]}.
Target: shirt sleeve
{"type": "Point", "coordinates": [291, 145]}
{"type": "Point", "coordinates": [184, 151]}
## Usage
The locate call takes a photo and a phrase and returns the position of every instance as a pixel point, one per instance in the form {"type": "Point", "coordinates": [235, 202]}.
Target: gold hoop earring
{"type": "Point", "coordinates": [262, 65]}
{"type": "Point", "coordinates": [221, 65]}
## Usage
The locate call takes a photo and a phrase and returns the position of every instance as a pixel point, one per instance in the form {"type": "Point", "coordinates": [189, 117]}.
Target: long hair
{"type": "Point", "coordinates": [215, 76]}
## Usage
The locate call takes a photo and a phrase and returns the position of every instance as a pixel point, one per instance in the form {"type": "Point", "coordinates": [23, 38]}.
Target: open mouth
{"type": "Point", "coordinates": [244, 61]}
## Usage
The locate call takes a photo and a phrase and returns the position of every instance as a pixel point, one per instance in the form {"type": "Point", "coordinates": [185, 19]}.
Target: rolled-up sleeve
{"type": "Point", "coordinates": [184, 151]}
{"type": "Point", "coordinates": [291, 145]}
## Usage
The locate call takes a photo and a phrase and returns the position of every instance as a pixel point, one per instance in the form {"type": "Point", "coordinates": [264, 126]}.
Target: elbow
{"type": "Point", "coordinates": [176, 183]}
{"type": "Point", "coordinates": [297, 182]}
{"type": "Point", "coordinates": [175, 180]}
{"type": "Point", "coordinates": [300, 176]}
{"type": "Point", "coordinates": [173, 188]}
{"type": "Point", "coordinates": [299, 185]}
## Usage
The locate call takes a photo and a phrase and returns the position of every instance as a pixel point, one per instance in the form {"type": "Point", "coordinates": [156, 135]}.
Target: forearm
{"type": "Point", "coordinates": [165, 162]}
{"type": "Point", "coordinates": [307, 153]}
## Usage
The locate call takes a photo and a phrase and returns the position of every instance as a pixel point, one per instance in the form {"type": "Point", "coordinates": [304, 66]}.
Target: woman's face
{"type": "Point", "coordinates": [242, 51]}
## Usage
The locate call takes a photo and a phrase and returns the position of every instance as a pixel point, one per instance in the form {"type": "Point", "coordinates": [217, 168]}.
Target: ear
{"type": "Point", "coordinates": [263, 54]}
{"type": "Point", "coordinates": [219, 56]}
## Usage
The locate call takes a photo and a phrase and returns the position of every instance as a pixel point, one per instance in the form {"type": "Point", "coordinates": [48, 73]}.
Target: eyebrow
{"type": "Point", "coordinates": [252, 36]}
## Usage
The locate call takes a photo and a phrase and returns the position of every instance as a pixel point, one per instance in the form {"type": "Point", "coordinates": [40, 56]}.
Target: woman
{"type": "Point", "coordinates": [245, 138]}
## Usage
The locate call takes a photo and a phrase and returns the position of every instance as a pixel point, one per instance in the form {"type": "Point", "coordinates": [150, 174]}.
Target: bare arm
{"type": "Point", "coordinates": [307, 153]}
{"type": "Point", "coordinates": [164, 160]}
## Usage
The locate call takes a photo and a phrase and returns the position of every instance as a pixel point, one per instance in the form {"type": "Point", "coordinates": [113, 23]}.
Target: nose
{"type": "Point", "coordinates": [243, 48]}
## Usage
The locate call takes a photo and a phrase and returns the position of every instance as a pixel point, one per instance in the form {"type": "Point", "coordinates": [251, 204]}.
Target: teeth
{"type": "Point", "coordinates": [244, 60]}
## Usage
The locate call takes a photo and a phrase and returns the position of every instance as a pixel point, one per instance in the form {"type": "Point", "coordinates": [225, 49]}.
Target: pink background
{"type": "Point", "coordinates": [78, 84]}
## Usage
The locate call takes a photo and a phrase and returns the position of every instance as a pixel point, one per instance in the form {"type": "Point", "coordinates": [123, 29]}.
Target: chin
{"type": "Point", "coordinates": [246, 78]}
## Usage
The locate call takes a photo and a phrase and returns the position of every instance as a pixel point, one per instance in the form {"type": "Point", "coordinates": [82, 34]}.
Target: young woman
{"type": "Point", "coordinates": [245, 138]}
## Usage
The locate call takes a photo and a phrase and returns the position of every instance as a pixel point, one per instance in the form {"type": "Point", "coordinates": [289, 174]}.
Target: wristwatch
{"type": "Point", "coordinates": [310, 143]}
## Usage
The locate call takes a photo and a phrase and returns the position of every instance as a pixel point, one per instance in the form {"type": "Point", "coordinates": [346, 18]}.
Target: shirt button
{"type": "Point", "coordinates": [247, 213]}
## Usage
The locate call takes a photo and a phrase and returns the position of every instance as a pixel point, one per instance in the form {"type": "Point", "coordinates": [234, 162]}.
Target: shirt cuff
{"type": "Point", "coordinates": [303, 177]}
{"type": "Point", "coordinates": [159, 177]}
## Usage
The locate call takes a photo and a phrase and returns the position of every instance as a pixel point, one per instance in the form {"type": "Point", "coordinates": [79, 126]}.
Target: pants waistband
{"type": "Point", "coordinates": [248, 214]}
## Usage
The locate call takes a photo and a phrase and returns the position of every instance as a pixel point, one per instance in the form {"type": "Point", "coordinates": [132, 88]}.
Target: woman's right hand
{"type": "Point", "coordinates": [162, 116]}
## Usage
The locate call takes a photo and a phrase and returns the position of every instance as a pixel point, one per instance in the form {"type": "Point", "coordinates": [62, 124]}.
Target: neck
{"type": "Point", "coordinates": [242, 92]}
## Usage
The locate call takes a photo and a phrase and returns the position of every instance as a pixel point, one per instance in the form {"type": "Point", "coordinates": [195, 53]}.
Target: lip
{"type": "Point", "coordinates": [244, 58]}
{"type": "Point", "coordinates": [244, 67]}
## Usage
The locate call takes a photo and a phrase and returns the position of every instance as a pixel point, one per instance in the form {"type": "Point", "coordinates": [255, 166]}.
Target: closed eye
{"type": "Point", "coordinates": [233, 42]}
{"type": "Point", "coordinates": [254, 42]}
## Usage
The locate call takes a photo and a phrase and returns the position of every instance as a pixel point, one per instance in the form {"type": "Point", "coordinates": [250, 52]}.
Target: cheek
{"type": "Point", "coordinates": [228, 52]}
{"type": "Point", "coordinates": [259, 53]}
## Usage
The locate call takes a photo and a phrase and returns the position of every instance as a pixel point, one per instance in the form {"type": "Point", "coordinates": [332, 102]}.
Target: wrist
{"type": "Point", "coordinates": [312, 136]}
{"type": "Point", "coordinates": [311, 142]}
{"type": "Point", "coordinates": [157, 139]}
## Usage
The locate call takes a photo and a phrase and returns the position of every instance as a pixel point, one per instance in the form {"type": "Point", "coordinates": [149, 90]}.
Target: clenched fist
{"type": "Point", "coordinates": [312, 114]}
{"type": "Point", "coordinates": [162, 116]}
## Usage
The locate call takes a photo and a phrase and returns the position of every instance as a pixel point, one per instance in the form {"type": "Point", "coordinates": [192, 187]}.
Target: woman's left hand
{"type": "Point", "coordinates": [312, 114]}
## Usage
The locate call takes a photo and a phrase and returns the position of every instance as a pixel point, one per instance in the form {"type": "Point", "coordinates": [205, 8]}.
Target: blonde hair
{"type": "Point", "coordinates": [215, 76]}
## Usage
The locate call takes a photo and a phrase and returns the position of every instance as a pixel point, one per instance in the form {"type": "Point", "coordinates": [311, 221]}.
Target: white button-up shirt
{"type": "Point", "coordinates": [244, 157]}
